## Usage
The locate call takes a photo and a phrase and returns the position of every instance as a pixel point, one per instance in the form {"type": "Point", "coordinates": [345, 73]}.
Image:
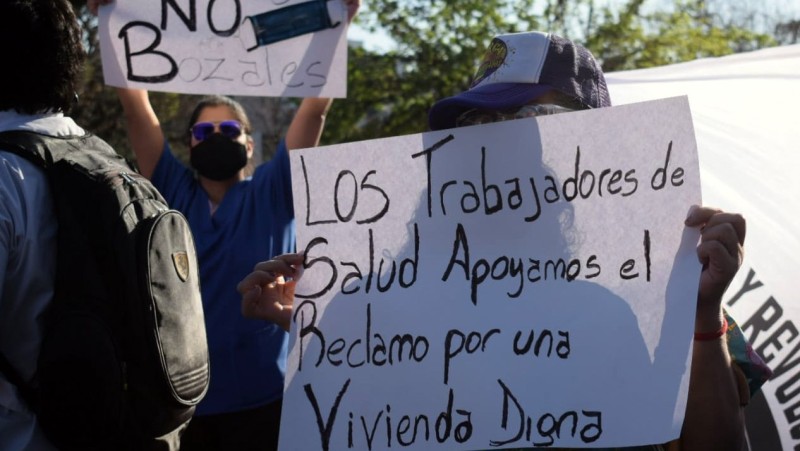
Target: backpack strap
{"type": "Point", "coordinates": [24, 144]}
{"type": "Point", "coordinates": [46, 151]}
{"type": "Point", "coordinates": [25, 390]}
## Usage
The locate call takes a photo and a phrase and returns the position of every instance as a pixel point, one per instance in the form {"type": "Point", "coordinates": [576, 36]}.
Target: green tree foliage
{"type": "Point", "coordinates": [628, 39]}
{"type": "Point", "coordinates": [438, 44]}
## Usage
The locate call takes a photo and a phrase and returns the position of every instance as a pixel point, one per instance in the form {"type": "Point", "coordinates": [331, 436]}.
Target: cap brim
{"type": "Point", "coordinates": [497, 96]}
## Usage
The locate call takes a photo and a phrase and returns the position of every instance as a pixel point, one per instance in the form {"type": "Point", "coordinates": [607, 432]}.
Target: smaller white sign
{"type": "Point", "coordinates": [235, 47]}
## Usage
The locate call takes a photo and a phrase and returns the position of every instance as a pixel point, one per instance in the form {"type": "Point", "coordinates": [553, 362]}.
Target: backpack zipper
{"type": "Point", "coordinates": [127, 178]}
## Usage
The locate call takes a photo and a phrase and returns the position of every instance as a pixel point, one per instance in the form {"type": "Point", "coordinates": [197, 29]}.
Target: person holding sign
{"type": "Point", "coordinates": [237, 220]}
{"type": "Point", "coordinates": [532, 74]}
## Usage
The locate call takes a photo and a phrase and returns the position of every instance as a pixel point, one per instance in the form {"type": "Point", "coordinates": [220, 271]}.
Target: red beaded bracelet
{"type": "Point", "coordinates": [708, 336]}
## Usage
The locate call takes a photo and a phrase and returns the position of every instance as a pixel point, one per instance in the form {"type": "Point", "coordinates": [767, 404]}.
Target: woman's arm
{"type": "Point", "coordinates": [714, 414]}
{"type": "Point", "coordinates": [308, 123]}
{"type": "Point", "coordinates": [144, 130]}
{"type": "Point", "coordinates": [309, 120]}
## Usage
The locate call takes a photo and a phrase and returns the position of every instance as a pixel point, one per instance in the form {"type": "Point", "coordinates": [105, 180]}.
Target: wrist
{"type": "Point", "coordinates": [708, 334]}
{"type": "Point", "coordinates": [708, 316]}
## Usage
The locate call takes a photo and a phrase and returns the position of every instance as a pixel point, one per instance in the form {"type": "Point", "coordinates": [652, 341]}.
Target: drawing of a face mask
{"type": "Point", "coordinates": [286, 23]}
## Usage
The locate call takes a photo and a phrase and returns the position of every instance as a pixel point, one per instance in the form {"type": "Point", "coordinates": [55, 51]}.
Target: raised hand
{"type": "Point", "coordinates": [721, 251]}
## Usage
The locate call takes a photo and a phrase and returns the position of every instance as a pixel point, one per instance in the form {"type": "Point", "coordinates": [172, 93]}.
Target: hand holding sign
{"type": "Point", "coordinates": [721, 252]}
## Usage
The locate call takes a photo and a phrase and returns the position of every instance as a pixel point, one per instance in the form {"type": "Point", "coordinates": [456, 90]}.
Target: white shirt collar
{"type": "Point", "coordinates": [52, 124]}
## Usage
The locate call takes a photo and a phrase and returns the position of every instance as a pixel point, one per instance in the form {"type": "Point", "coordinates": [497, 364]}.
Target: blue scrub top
{"type": "Point", "coordinates": [254, 222]}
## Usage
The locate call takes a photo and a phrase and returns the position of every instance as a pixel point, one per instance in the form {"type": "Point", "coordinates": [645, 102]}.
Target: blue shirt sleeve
{"type": "Point", "coordinates": [275, 177]}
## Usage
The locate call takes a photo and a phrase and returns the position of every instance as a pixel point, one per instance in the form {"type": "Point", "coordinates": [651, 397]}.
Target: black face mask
{"type": "Point", "coordinates": [218, 157]}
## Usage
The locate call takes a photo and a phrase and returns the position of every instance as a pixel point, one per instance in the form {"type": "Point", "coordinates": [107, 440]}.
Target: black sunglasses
{"type": "Point", "coordinates": [202, 130]}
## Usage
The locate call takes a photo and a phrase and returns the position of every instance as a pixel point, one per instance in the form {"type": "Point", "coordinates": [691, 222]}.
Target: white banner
{"type": "Point", "coordinates": [289, 48]}
{"type": "Point", "coordinates": [475, 288]}
{"type": "Point", "coordinates": [745, 110]}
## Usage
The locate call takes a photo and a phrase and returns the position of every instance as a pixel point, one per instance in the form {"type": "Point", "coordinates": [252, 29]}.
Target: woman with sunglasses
{"type": "Point", "coordinates": [237, 220]}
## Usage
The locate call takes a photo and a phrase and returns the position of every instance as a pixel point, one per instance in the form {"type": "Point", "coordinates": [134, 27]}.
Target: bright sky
{"type": "Point", "coordinates": [768, 10]}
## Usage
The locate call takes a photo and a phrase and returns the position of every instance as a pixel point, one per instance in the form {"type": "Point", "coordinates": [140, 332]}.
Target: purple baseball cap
{"type": "Point", "coordinates": [521, 67]}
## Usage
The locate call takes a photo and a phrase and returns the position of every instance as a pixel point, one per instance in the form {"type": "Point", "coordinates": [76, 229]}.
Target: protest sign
{"type": "Point", "coordinates": [524, 283]}
{"type": "Point", "coordinates": [285, 48]}
{"type": "Point", "coordinates": [745, 113]}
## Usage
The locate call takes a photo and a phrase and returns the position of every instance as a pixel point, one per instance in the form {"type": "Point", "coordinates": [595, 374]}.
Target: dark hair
{"type": "Point", "coordinates": [43, 55]}
{"type": "Point", "coordinates": [217, 100]}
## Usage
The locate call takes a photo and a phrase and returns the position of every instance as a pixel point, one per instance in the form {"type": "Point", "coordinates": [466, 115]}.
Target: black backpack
{"type": "Point", "coordinates": [124, 358]}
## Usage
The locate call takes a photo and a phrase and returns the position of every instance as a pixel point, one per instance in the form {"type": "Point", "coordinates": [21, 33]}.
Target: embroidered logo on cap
{"type": "Point", "coordinates": [495, 57]}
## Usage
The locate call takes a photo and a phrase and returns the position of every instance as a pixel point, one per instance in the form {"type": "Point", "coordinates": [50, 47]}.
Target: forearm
{"type": "Point", "coordinates": [144, 130]}
{"type": "Point", "coordinates": [714, 416]}
{"type": "Point", "coordinates": [308, 123]}
{"type": "Point", "coordinates": [136, 106]}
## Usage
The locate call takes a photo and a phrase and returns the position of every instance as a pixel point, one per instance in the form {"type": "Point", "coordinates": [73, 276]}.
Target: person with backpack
{"type": "Point", "coordinates": [237, 220]}
{"type": "Point", "coordinates": [102, 337]}
{"type": "Point", "coordinates": [43, 40]}
{"type": "Point", "coordinates": [538, 73]}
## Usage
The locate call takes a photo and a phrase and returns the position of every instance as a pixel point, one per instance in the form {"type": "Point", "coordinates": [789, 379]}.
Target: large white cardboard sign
{"type": "Point", "coordinates": [745, 112]}
{"type": "Point", "coordinates": [525, 283]}
{"type": "Point", "coordinates": [232, 47]}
